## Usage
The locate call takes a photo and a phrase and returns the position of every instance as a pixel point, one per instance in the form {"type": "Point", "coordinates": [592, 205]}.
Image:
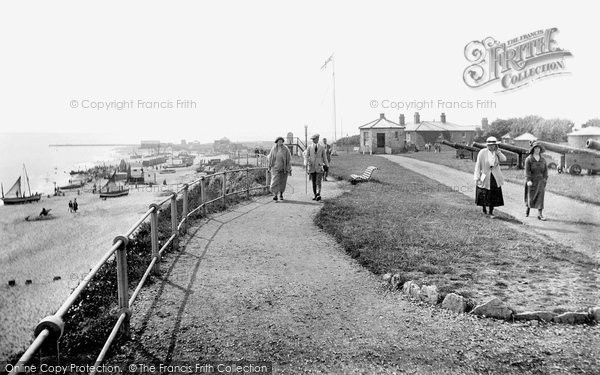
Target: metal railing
{"type": "Point", "coordinates": [50, 329]}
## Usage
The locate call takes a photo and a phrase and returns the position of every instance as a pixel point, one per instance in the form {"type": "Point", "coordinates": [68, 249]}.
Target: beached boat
{"type": "Point", "coordinates": [40, 218]}
{"type": "Point", "coordinates": [74, 185]}
{"type": "Point", "coordinates": [15, 194]}
{"type": "Point", "coordinates": [112, 190]}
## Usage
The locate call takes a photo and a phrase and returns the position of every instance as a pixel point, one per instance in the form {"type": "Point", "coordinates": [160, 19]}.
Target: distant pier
{"type": "Point", "coordinates": [93, 144]}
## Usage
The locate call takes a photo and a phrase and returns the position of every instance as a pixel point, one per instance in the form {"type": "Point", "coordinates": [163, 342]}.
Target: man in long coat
{"type": "Point", "coordinates": [315, 157]}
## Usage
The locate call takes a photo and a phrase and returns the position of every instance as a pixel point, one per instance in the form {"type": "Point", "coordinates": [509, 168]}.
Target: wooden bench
{"type": "Point", "coordinates": [354, 178]}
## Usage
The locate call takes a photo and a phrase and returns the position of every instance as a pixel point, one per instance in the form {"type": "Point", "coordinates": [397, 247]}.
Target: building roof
{"type": "Point", "coordinates": [526, 137]}
{"type": "Point", "coordinates": [506, 136]}
{"type": "Point", "coordinates": [381, 123]}
{"type": "Point", "coordinates": [590, 130]}
{"type": "Point", "coordinates": [438, 126]}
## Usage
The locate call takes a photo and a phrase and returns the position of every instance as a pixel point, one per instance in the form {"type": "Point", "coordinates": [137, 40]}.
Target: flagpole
{"type": "Point", "coordinates": [334, 108]}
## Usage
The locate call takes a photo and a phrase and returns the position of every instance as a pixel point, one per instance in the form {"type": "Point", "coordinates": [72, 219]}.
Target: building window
{"type": "Point", "coordinates": [396, 135]}
{"type": "Point", "coordinates": [366, 136]}
{"type": "Point", "coordinates": [408, 137]}
{"type": "Point", "coordinates": [464, 134]}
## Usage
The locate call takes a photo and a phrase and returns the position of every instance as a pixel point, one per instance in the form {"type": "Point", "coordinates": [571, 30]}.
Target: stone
{"type": "Point", "coordinates": [595, 314]}
{"type": "Point", "coordinates": [494, 308]}
{"type": "Point", "coordinates": [406, 287]}
{"type": "Point", "coordinates": [387, 277]}
{"type": "Point", "coordinates": [572, 318]}
{"type": "Point", "coordinates": [429, 294]}
{"type": "Point", "coordinates": [546, 316]}
{"type": "Point", "coordinates": [395, 281]}
{"type": "Point", "coordinates": [414, 291]}
{"type": "Point", "coordinates": [454, 302]}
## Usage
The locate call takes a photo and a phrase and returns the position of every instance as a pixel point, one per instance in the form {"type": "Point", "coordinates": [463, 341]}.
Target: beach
{"type": "Point", "coordinates": [56, 254]}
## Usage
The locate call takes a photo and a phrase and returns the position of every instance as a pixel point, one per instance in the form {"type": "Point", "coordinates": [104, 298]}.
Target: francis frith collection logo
{"type": "Point", "coordinates": [515, 63]}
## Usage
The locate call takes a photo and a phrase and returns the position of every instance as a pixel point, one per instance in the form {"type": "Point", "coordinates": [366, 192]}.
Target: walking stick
{"type": "Point", "coordinates": [306, 180]}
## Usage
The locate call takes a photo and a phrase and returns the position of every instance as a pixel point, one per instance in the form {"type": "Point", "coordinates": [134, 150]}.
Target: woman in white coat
{"type": "Point", "coordinates": [488, 177]}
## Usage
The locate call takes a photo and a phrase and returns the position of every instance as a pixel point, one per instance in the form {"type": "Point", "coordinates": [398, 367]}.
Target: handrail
{"type": "Point", "coordinates": [52, 326]}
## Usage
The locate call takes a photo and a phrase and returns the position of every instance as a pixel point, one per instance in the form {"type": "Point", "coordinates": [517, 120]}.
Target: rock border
{"type": "Point", "coordinates": [493, 308]}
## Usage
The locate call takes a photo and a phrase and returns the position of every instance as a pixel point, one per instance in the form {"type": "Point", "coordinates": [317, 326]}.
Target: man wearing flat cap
{"type": "Point", "coordinates": [315, 158]}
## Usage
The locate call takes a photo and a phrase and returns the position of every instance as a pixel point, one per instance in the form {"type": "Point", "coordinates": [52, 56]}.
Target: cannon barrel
{"type": "Point", "coordinates": [448, 143]}
{"type": "Point", "coordinates": [483, 145]}
{"type": "Point", "coordinates": [511, 148]}
{"type": "Point", "coordinates": [459, 146]}
{"type": "Point", "coordinates": [561, 149]}
{"type": "Point", "coordinates": [593, 144]}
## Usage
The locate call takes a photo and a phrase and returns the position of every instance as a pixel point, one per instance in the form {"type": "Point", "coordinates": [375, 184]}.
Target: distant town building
{"type": "Point", "coordinates": [524, 140]}
{"type": "Point", "coordinates": [421, 132]}
{"type": "Point", "coordinates": [577, 138]}
{"type": "Point", "coordinates": [485, 125]}
{"type": "Point", "coordinates": [150, 144]}
{"type": "Point", "coordinates": [382, 136]}
{"type": "Point", "coordinates": [183, 142]}
{"type": "Point", "coordinates": [506, 138]}
{"type": "Point", "coordinates": [222, 145]}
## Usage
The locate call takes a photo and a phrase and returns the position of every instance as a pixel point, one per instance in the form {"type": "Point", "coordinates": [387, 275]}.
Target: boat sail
{"type": "Point", "coordinates": [15, 194]}
{"type": "Point", "coordinates": [112, 190]}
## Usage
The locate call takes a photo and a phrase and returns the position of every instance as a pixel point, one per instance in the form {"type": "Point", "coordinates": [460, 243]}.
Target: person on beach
{"type": "Point", "coordinates": [328, 153]}
{"type": "Point", "coordinates": [315, 158]}
{"type": "Point", "coordinates": [488, 177]}
{"type": "Point", "coordinates": [279, 164]}
{"type": "Point", "coordinates": [45, 212]}
{"type": "Point", "coordinates": [75, 205]}
{"type": "Point", "coordinates": [536, 174]}
{"type": "Point", "coordinates": [70, 206]}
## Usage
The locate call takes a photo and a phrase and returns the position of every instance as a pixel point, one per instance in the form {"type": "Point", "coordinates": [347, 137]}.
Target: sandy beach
{"type": "Point", "coordinates": [66, 247]}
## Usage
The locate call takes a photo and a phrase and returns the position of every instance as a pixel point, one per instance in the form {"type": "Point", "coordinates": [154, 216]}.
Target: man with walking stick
{"type": "Point", "coordinates": [315, 159]}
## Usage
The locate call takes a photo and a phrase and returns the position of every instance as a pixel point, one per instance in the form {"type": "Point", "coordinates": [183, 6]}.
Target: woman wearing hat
{"type": "Point", "coordinates": [488, 177]}
{"type": "Point", "coordinates": [280, 166]}
{"type": "Point", "coordinates": [536, 173]}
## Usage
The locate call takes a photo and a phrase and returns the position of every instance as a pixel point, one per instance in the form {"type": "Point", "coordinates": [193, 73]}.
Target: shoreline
{"type": "Point", "coordinates": [64, 248]}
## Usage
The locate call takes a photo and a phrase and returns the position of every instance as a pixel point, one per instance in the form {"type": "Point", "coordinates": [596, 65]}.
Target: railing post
{"type": "Point", "coordinates": [185, 208]}
{"type": "Point", "coordinates": [247, 182]}
{"type": "Point", "coordinates": [154, 237]}
{"type": "Point", "coordinates": [224, 198]}
{"type": "Point", "coordinates": [203, 195]}
{"type": "Point", "coordinates": [174, 222]}
{"type": "Point", "coordinates": [122, 281]}
{"type": "Point", "coordinates": [267, 180]}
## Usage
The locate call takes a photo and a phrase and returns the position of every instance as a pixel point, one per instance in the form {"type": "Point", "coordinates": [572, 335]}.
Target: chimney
{"type": "Point", "coordinates": [443, 117]}
{"type": "Point", "coordinates": [484, 124]}
{"type": "Point", "coordinates": [382, 115]}
{"type": "Point", "coordinates": [402, 122]}
{"type": "Point", "coordinates": [417, 118]}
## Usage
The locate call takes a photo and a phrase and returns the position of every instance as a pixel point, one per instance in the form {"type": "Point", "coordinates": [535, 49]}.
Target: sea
{"type": "Point", "coordinates": [46, 165]}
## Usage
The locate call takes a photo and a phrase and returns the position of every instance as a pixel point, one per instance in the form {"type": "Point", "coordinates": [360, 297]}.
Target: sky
{"type": "Point", "coordinates": [252, 70]}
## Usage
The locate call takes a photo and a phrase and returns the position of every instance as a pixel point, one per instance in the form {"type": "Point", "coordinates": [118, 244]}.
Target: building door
{"type": "Point", "coordinates": [380, 140]}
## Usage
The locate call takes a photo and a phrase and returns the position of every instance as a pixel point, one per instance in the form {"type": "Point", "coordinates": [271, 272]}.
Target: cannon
{"type": "Point", "coordinates": [519, 151]}
{"type": "Point", "coordinates": [512, 158]}
{"type": "Point", "coordinates": [593, 144]}
{"type": "Point", "coordinates": [462, 151]}
{"type": "Point", "coordinates": [575, 159]}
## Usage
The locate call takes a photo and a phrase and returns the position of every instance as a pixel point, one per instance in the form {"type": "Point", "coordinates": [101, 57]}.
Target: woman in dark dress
{"type": "Point", "coordinates": [536, 173]}
{"type": "Point", "coordinates": [488, 177]}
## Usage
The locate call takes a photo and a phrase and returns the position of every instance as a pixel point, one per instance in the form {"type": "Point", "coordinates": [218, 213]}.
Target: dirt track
{"type": "Point", "coordinates": [570, 222]}
{"type": "Point", "coordinates": [261, 282]}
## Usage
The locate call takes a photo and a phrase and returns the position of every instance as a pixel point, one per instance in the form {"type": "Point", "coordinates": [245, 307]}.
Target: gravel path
{"type": "Point", "coordinates": [261, 282]}
{"type": "Point", "coordinates": [570, 222]}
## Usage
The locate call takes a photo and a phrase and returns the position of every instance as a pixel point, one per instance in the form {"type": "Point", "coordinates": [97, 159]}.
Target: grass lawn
{"type": "Point", "coordinates": [403, 222]}
{"type": "Point", "coordinates": [584, 187]}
